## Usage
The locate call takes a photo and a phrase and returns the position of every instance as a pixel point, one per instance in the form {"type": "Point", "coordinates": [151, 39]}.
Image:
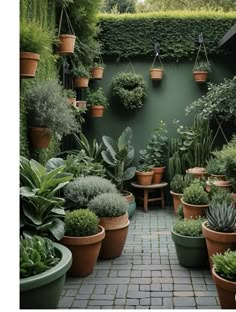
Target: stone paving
{"type": "Point", "coordinates": [146, 276]}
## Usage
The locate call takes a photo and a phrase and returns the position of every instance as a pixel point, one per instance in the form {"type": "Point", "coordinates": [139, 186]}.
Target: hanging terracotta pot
{"type": "Point", "coordinates": [96, 110]}
{"type": "Point", "coordinates": [144, 178]}
{"type": "Point", "coordinates": [200, 76]}
{"type": "Point", "coordinates": [71, 101]}
{"type": "Point", "coordinates": [28, 64]}
{"type": "Point", "coordinates": [66, 44]}
{"type": "Point", "coordinates": [97, 72]}
{"type": "Point", "coordinates": [81, 82]}
{"type": "Point", "coordinates": [220, 183]}
{"type": "Point", "coordinates": [157, 174]}
{"type": "Point", "coordinates": [81, 104]}
{"type": "Point", "coordinates": [156, 73]}
{"type": "Point", "coordinates": [40, 137]}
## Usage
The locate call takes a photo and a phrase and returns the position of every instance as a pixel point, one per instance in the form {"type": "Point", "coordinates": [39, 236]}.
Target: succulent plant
{"type": "Point", "coordinates": [195, 194]}
{"type": "Point", "coordinates": [108, 205]}
{"type": "Point", "coordinates": [221, 217]}
{"type": "Point", "coordinates": [189, 227]}
{"type": "Point", "coordinates": [225, 264]}
{"type": "Point", "coordinates": [81, 222]}
{"type": "Point", "coordinates": [180, 182]}
{"type": "Point", "coordinates": [37, 254]}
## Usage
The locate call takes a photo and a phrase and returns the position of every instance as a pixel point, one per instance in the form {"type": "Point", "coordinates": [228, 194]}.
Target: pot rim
{"type": "Point", "coordinates": [192, 205]}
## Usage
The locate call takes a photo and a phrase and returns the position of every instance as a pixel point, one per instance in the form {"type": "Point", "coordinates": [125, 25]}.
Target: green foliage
{"type": "Point", "coordinates": [144, 167]}
{"type": "Point", "coordinates": [225, 264]}
{"type": "Point", "coordinates": [215, 166]}
{"type": "Point", "coordinates": [41, 210]}
{"type": "Point", "coordinates": [177, 32]}
{"type": "Point", "coordinates": [79, 192]}
{"type": "Point", "coordinates": [96, 97]}
{"type": "Point", "coordinates": [180, 212]}
{"type": "Point", "coordinates": [70, 93]}
{"type": "Point", "coordinates": [230, 166]}
{"type": "Point", "coordinates": [221, 217]}
{"type": "Point", "coordinates": [189, 227]}
{"type": "Point", "coordinates": [180, 182]}
{"type": "Point", "coordinates": [79, 70]}
{"type": "Point", "coordinates": [119, 156]}
{"type": "Point", "coordinates": [119, 6]}
{"type": "Point", "coordinates": [108, 205]}
{"type": "Point", "coordinates": [24, 143]}
{"type": "Point", "coordinates": [81, 222]}
{"type": "Point", "coordinates": [219, 196]}
{"type": "Point", "coordinates": [219, 102]}
{"type": "Point", "coordinates": [130, 88]}
{"type": "Point", "coordinates": [37, 254]}
{"type": "Point", "coordinates": [195, 194]}
{"type": "Point", "coordinates": [156, 150]}
{"type": "Point", "coordinates": [42, 155]}
{"type": "Point", "coordinates": [202, 66]}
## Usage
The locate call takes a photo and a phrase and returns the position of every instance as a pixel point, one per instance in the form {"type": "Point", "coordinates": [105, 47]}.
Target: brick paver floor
{"type": "Point", "coordinates": [146, 276]}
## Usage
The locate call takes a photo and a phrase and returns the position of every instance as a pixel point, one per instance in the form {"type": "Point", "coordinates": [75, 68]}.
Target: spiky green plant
{"type": "Point", "coordinates": [225, 264]}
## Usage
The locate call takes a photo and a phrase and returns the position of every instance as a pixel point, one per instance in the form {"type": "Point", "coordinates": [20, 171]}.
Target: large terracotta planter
{"type": "Point", "coordinates": [200, 76]}
{"type": "Point", "coordinates": [97, 72]}
{"type": "Point", "coordinates": [193, 211]}
{"type": "Point", "coordinates": [226, 290]}
{"type": "Point", "coordinates": [218, 242]}
{"type": "Point", "coordinates": [66, 44]}
{"type": "Point", "coordinates": [81, 82]}
{"type": "Point", "coordinates": [156, 73]}
{"type": "Point", "coordinates": [157, 174]}
{"type": "Point", "coordinates": [116, 230]}
{"type": "Point", "coordinates": [40, 137]}
{"type": "Point", "coordinates": [85, 252]}
{"type": "Point", "coordinates": [28, 64]}
{"type": "Point", "coordinates": [131, 202]}
{"type": "Point", "coordinates": [197, 172]}
{"type": "Point", "coordinates": [144, 178]}
{"type": "Point", "coordinates": [96, 110]}
{"type": "Point", "coordinates": [176, 200]}
{"type": "Point", "coordinates": [219, 183]}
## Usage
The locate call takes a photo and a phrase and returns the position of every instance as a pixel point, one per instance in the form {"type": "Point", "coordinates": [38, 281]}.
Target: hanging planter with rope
{"type": "Point", "coordinates": [98, 69]}
{"type": "Point", "coordinates": [201, 68]}
{"type": "Point", "coordinates": [66, 41]}
{"type": "Point", "coordinates": [157, 72]}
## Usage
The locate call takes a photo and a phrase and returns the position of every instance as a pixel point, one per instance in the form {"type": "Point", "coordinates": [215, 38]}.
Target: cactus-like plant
{"type": "Point", "coordinates": [180, 182]}
{"type": "Point", "coordinates": [189, 227]}
{"type": "Point", "coordinates": [221, 217]}
{"type": "Point", "coordinates": [195, 194]}
{"type": "Point", "coordinates": [225, 264]}
{"type": "Point", "coordinates": [108, 205]}
{"type": "Point", "coordinates": [79, 192]}
{"type": "Point", "coordinates": [37, 254]}
{"type": "Point", "coordinates": [81, 222]}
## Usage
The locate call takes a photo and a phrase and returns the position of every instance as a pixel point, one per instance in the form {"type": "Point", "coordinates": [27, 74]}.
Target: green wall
{"type": "Point", "coordinates": [165, 101]}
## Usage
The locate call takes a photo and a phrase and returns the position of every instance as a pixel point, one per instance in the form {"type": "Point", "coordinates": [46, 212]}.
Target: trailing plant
{"type": "Point", "coordinates": [108, 205]}
{"type": "Point", "coordinates": [119, 156]}
{"type": "Point", "coordinates": [70, 93]}
{"type": "Point", "coordinates": [37, 254]}
{"type": "Point", "coordinates": [180, 182]}
{"type": "Point", "coordinates": [156, 150]}
{"type": "Point", "coordinates": [96, 97]}
{"type": "Point", "coordinates": [189, 227]}
{"type": "Point", "coordinates": [130, 88]}
{"type": "Point", "coordinates": [79, 192]}
{"type": "Point", "coordinates": [202, 66]}
{"type": "Point", "coordinates": [221, 217]}
{"type": "Point", "coordinates": [81, 222]}
{"type": "Point", "coordinates": [48, 108]}
{"type": "Point", "coordinates": [41, 209]}
{"type": "Point", "coordinates": [225, 264]}
{"type": "Point", "coordinates": [195, 194]}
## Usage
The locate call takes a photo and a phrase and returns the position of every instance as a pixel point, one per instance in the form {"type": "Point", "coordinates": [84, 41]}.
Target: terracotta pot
{"type": "Point", "coordinates": [40, 137]}
{"type": "Point", "coordinates": [200, 76]}
{"type": "Point", "coordinates": [218, 242]}
{"type": "Point", "coordinates": [157, 174]}
{"type": "Point", "coordinates": [66, 45]}
{"type": "Point", "coordinates": [176, 200]}
{"type": "Point", "coordinates": [28, 64]}
{"type": "Point", "coordinates": [97, 72]}
{"type": "Point", "coordinates": [197, 172]}
{"type": "Point", "coordinates": [81, 82]}
{"type": "Point", "coordinates": [217, 176]}
{"type": "Point", "coordinates": [84, 251]}
{"type": "Point", "coordinates": [144, 178]}
{"type": "Point", "coordinates": [96, 110]}
{"type": "Point", "coordinates": [226, 290]}
{"type": "Point", "coordinates": [116, 230]}
{"type": "Point", "coordinates": [81, 104]}
{"type": "Point", "coordinates": [71, 101]}
{"type": "Point", "coordinates": [193, 211]}
{"type": "Point", "coordinates": [156, 73]}
{"type": "Point", "coordinates": [220, 183]}
{"type": "Point", "coordinates": [233, 195]}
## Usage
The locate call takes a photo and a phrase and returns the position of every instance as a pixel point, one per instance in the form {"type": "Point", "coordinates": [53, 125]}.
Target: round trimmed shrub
{"type": "Point", "coordinates": [195, 194]}
{"type": "Point", "coordinates": [109, 205]}
{"type": "Point", "coordinates": [189, 227]}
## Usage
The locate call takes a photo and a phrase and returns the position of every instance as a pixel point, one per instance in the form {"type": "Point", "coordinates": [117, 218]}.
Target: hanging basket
{"type": "Point", "coordinates": [200, 76]}
{"type": "Point", "coordinates": [97, 72]}
{"type": "Point", "coordinates": [200, 68]}
{"type": "Point", "coordinates": [66, 45]}
{"type": "Point", "coordinates": [156, 73]}
{"type": "Point", "coordinates": [28, 64]}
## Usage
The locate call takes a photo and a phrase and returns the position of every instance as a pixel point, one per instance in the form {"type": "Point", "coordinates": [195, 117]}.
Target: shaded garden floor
{"type": "Point", "coordinates": [146, 276]}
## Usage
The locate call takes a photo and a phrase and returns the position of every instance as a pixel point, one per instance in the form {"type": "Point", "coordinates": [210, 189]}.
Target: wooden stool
{"type": "Point", "coordinates": [150, 189]}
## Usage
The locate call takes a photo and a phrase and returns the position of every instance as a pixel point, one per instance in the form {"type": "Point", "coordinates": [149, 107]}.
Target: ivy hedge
{"type": "Point", "coordinates": [132, 35]}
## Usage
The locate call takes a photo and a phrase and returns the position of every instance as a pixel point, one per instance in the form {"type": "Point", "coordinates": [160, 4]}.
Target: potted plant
{"type": "Point", "coordinates": [48, 113]}
{"type": "Point", "coordinates": [230, 166]}
{"type": "Point", "coordinates": [81, 104]}
{"type": "Point", "coordinates": [43, 267]}
{"type": "Point", "coordinates": [96, 101]}
{"type": "Point", "coordinates": [197, 172]}
{"type": "Point", "coordinates": [156, 73]}
{"type": "Point", "coordinates": [71, 97]}
{"type": "Point", "coordinates": [190, 244]}
{"type": "Point", "coordinates": [83, 236]}
{"type": "Point", "coordinates": [224, 275]}
{"type": "Point", "coordinates": [200, 71]}
{"type": "Point", "coordinates": [111, 208]}
{"type": "Point", "coordinates": [144, 174]}
{"type": "Point", "coordinates": [130, 89]}
{"type": "Point", "coordinates": [219, 229]}
{"type": "Point", "coordinates": [81, 76]}
{"type": "Point", "coordinates": [119, 156]}
{"type": "Point", "coordinates": [195, 200]}
{"type": "Point", "coordinates": [155, 152]}
{"type": "Point", "coordinates": [97, 70]}
{"type": "Point", "coordinates": [215, 168]}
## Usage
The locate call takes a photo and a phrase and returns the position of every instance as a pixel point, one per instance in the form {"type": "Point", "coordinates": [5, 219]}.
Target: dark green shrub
{"type": "Point", "coordinates": [225, 264]}
{"type": "Point", "coordinates": [189, 227]}
{"type": "Point", "coordinates": [195, 194]}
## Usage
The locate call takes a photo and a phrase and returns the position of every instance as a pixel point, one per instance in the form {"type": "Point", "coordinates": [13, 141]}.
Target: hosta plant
{"type": "Point", "coordinates": [108, 205]}
{"type": "Point", "coordinates": [189, 227]}
{"type": "Point", "coordinates": [195, 194]}
{"type": "Point", "coordinates": [225, 264]}
{"type": "Point", "coordinates": [37, 254]}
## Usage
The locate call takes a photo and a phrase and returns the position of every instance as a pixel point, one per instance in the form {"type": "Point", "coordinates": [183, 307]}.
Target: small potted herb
{"type": "Point", "coordinates": [96, 101]}
{"type": "Point", "coordinates": [200, 71]}
{"type": "Point", "coordinates": [144, 174]}
{"type": "Point", "coordinates": [71, 97]}
{"type": "Point", "coordinates": [97, 70]}
{"type": "Point", "coordinates": [81, 76]}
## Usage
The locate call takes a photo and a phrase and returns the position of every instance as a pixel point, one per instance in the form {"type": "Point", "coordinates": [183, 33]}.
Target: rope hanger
{"type": "Point", "coordinates": [154, 60]}
{"type": "Point", "coordinates": [71, 30]}
{"type": "Point", "coordinates": [201, 45]}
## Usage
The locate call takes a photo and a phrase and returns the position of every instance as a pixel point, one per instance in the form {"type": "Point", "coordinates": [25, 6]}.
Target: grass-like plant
{"type": "Point", "coordinates": [108, 205]}
{"type": "Point", "coordinates": [81, 222]}
{"type": "Point", "coordinates": [189, 227]}
{"type": "Point", "coordinates": [225, 264]}
{"type": "Point", "coordinates": [195, 194]}
{"type": "Point", "coordinates": [96, 97]}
